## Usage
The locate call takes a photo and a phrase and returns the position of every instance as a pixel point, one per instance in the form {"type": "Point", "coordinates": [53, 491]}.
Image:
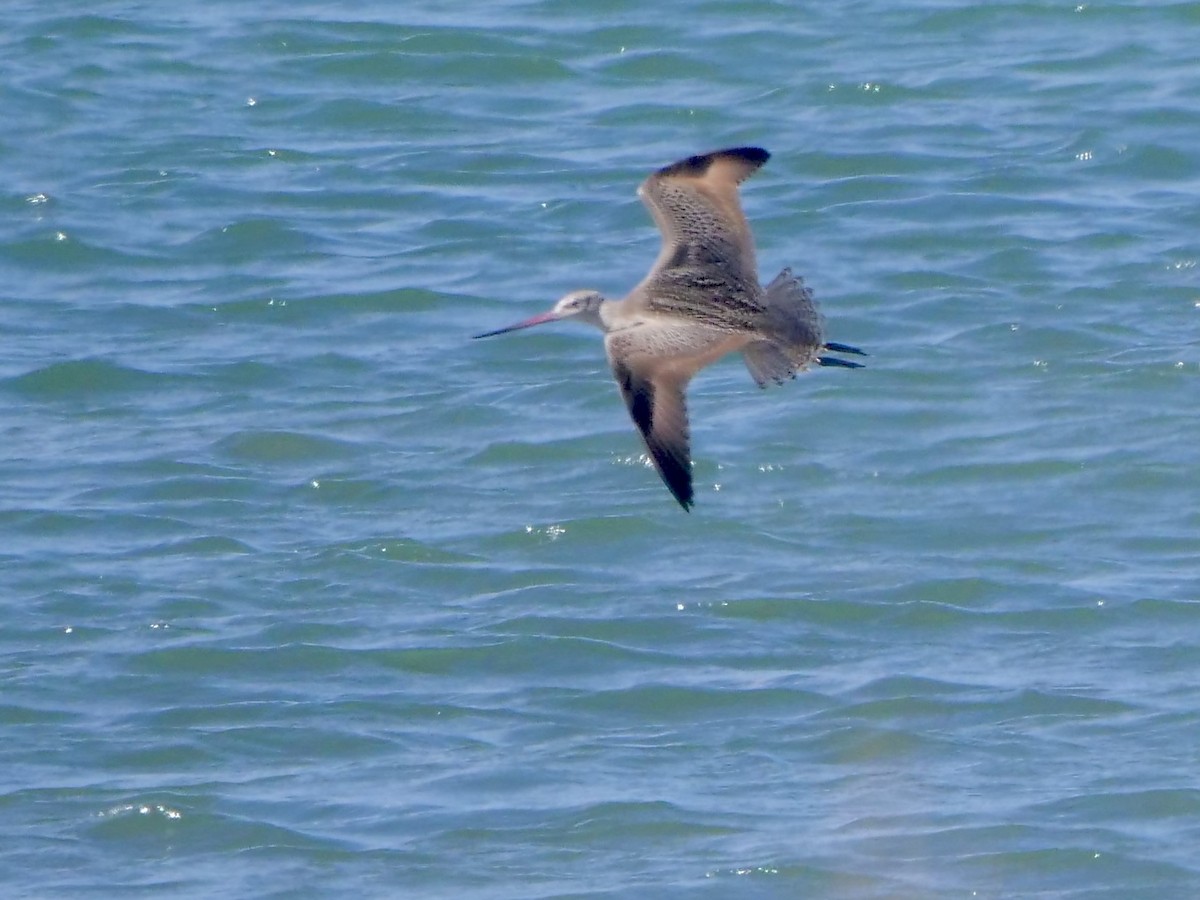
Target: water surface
{"type": "Point", "coordinates": [307, 594]}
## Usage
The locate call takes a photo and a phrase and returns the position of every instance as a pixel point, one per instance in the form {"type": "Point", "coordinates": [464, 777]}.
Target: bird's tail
{"type": "Point", "coordinates": [792, 315]}
{"type": "Point", "coordinates": [797, 331]}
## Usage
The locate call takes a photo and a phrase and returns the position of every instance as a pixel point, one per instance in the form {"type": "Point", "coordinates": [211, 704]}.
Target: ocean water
{"type": "Point", "coordinates": [306, 594]}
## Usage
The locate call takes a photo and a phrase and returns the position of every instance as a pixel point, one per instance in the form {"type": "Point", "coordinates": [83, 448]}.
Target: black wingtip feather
{"type": "Point", "coordinates": [698, 164]}
{"type": "Point", "coordinates": [676, 474]}
{"type": "Point", "coordinates": [756, 155]}
{"type": "Point", "coordinates": [685, 500]}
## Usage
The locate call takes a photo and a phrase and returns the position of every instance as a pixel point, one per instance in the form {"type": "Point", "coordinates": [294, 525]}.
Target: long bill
{"type": "Point", "coordinates": [528, 323]}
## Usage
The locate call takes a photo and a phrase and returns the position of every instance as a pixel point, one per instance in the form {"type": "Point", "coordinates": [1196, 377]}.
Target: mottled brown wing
{"type": "Point", "coordinates": [707, 253]}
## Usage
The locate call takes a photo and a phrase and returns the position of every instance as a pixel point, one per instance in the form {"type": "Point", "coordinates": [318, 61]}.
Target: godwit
{"type": "Point", "coordinates": [700, 301]}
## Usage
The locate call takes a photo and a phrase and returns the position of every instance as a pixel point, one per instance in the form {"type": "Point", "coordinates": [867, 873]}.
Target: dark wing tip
{"type": "Point", "coordinates": [696, 166]}
{"type": "Point", "coordinates": [756, 155]}
{"type": "Point", "coordinates": [677, 478]}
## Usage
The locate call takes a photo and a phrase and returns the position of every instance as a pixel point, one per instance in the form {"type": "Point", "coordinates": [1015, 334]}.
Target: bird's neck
{"type": "Point", "coordinates": [607, 316]}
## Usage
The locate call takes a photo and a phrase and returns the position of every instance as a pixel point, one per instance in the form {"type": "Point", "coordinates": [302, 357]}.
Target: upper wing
{"type": "Point", "coordinates": [708, 250]}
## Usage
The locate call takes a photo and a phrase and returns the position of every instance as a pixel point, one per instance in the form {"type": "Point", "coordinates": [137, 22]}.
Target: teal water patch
{"type": "Point", "coordinates": [87, 379]}
{"type": "Point", "coordinates": [308, 588]}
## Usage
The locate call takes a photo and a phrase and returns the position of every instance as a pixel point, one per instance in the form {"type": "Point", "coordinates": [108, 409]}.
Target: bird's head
{"type": "Point", "coordinates": [584, 305]}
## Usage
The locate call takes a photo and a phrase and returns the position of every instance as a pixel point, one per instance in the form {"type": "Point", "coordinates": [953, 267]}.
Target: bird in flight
{"type": "Point", "coordinates": [700, 301]}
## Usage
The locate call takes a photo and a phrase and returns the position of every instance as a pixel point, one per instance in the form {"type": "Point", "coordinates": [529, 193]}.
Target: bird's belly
{"type": "Point", "coordinates": [720, 345]}
{"type": "Point", "coordinates": [683, 349]}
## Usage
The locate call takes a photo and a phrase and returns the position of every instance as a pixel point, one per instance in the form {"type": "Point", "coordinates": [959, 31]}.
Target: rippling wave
{"type": "Point", "coordinates": [307, 588]}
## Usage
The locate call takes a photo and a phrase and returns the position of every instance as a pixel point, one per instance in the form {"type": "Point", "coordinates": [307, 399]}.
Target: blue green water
{"type": "Point", "coordinates": [307, 594]}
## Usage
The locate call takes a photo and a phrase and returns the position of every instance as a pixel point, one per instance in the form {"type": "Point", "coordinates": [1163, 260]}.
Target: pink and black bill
{"type": "Point", "coordinates": [527, 323]}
